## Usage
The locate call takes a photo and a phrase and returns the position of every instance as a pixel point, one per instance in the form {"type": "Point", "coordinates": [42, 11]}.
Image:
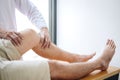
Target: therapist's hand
{"type": "Point", "coordinates": [45, 38]}
{"type": "Point", "coordinates": [15, 37]}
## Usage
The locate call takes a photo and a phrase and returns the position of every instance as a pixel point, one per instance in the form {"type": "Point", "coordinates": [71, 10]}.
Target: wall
{"type": "Point", "coordinates": [85, 25]}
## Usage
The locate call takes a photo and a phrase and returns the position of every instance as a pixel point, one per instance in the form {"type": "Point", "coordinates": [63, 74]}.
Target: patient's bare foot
{"type": "Point", "coordinates": [83, 58]}
{"type": "Point", "coordinates": [107, 54]}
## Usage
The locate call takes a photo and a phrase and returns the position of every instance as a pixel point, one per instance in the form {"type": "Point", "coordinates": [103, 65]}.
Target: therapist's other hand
{"type": "Point", "coordinates": [45, 38]}
{"type": "Point", "coordinates": [15, 37]}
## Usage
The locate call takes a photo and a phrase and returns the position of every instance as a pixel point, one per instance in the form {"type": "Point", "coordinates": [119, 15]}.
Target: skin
{"type": "Point", "coordinates": [73, 71]}
{"type": "Point", "coordinates": [16, 37]}
{"type": "Point", "coordinates": [19, 40]}
{"type": "Point", "coordinates": [60, 70]}
{"type": "Point", "coordinates": [45, 38]}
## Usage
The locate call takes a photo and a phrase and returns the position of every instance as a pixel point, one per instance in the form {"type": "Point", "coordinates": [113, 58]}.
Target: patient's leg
{"type": "Point", "coordinates": [64, 70]}
{"type": "Point", "coordinates": [68, 71]}
{"type": "Point", "coordinates": [31, 41]}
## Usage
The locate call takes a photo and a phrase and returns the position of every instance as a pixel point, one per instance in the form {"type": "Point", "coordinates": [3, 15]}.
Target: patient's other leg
{"type": "Point", "coordinates": [68, 71]}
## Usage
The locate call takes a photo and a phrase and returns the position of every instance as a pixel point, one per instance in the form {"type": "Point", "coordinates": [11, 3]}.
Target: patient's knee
{"type": "Point", "coordinates": [31, 31]}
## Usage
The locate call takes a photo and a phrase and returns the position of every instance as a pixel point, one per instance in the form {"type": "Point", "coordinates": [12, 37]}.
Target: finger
{"type": "Point", "coordinates": [8, 37]}
{"type": "Point", "coordinates": [43, 43]}
{"type": "Point", "coordinates": [46, 44]}
{"type": "Point", "coordinates": [41, 39]}
{"type": "Point", "coordinates": [19, 34]}
{"type": "Point", "coordinates": [49, 42]}
{"type": "Point", "coordinates": [13, 42]}
{"type": "Point", "coordinates": [15, 39]}
{"type": "Point", "coordinates": [19, 37]}
{"type": "Point", "coordinates": [19, 40]}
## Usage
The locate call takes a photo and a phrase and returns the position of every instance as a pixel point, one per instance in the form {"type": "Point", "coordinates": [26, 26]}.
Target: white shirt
{"type": "Point", "coordinates": [7, 14]}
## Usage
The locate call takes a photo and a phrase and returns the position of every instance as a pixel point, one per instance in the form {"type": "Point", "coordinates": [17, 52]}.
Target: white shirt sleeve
{"type": "Point", "coordinates": [30, 10]}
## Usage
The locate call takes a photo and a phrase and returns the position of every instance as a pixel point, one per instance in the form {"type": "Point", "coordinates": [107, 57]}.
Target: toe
{"type": "Point", "coordinates": [111, 44]}
{"type": "Point", "coordinates": [114, 46]}
{"type": "Point", "coordinates": [108, 41]}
